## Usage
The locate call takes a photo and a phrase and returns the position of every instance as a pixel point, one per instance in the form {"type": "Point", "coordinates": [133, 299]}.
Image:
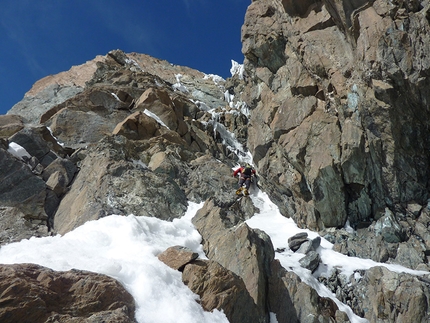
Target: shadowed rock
{"type": "Point", "coordinates": [21, 188]}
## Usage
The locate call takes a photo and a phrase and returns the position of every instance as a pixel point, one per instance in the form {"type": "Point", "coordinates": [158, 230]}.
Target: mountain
{"type": "Point", "coordinates": [331, 106]}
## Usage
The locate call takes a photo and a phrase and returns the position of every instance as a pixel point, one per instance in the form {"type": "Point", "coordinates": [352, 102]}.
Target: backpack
{"type": "Point", "coordinates": [247, 170]}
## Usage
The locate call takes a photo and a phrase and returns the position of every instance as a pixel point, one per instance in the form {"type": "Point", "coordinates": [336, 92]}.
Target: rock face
{"type": "Point", "coordinates": [332, 106]}
{"type": "Point", "coordinates": [54, 89]}
{"type": "Point", "coordinates": [31, 293]}
{"type": "Point", "coordinates": [337, 126]}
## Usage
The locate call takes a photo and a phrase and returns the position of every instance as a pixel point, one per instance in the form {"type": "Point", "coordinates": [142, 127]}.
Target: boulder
{"type": "Point", "coordinates": [57, 183]}
{"type": "Point", "coordinates": [305, 247]}
{"type": "Point", "coordinates": [177, 257]}
{"type": "Point", "coordinates": [311, 261]}
{"type": "Point", "coordinates": [31, 293]}
{"type": "Point", "coordinates": [296, 240]}
{"type": "Point", "coordinates": [220, 289]}
{"type": "Point", "coordinates": [316, 242]}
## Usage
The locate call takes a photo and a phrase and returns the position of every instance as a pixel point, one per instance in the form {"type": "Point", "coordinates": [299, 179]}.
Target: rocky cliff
{"type": "Point", "coordinates": [333, 107]}
{"type": "Point", "coordinates": [339, 95]}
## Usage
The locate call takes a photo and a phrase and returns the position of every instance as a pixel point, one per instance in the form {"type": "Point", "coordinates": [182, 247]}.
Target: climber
{"type": "Point", "coordinates": [246, 173]}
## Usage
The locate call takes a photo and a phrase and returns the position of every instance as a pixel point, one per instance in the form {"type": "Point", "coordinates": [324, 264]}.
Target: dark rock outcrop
{"type": "Point", "coordinates": [21, 188]}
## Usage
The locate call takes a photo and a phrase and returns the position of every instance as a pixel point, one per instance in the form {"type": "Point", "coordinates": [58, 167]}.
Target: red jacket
{"type": "Point", "coordinates": [241, 169]}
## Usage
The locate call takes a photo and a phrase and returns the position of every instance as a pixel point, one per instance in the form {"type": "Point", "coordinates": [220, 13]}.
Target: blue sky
{"type": "Point", "coordinates": [44, 37]}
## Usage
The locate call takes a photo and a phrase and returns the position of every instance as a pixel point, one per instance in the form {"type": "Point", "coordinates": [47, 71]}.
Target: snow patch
{"type": "Point", "coordinates": [215, 78]}
{"type": "Point", "coordinates": [201, 105]}
{"type": "Point", "coordinates": [115, 96]}
{"type": "Point", "coordinates": [237, 69]}
{"type": "Point", "coordinates": [56, 139]}
{"type": "Point", "coordinates": [155, 117]}
{"type": "Point", "coordinates": [280, 228]}
{"type": "Point", "coordinates": [178, 85]}
{"type": "Point", "coordinates": [228, 97]}
{"type": "Point", "coordinates": [18, 151]}
{"type": "Point", "coordinates": [134, 64]}
{"type": "Point", "coordinates": [126, 248]}
{"type": "Point", "coordinates": [140, 163]}
{"type": "Point", "coordinates": [353, 98]}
